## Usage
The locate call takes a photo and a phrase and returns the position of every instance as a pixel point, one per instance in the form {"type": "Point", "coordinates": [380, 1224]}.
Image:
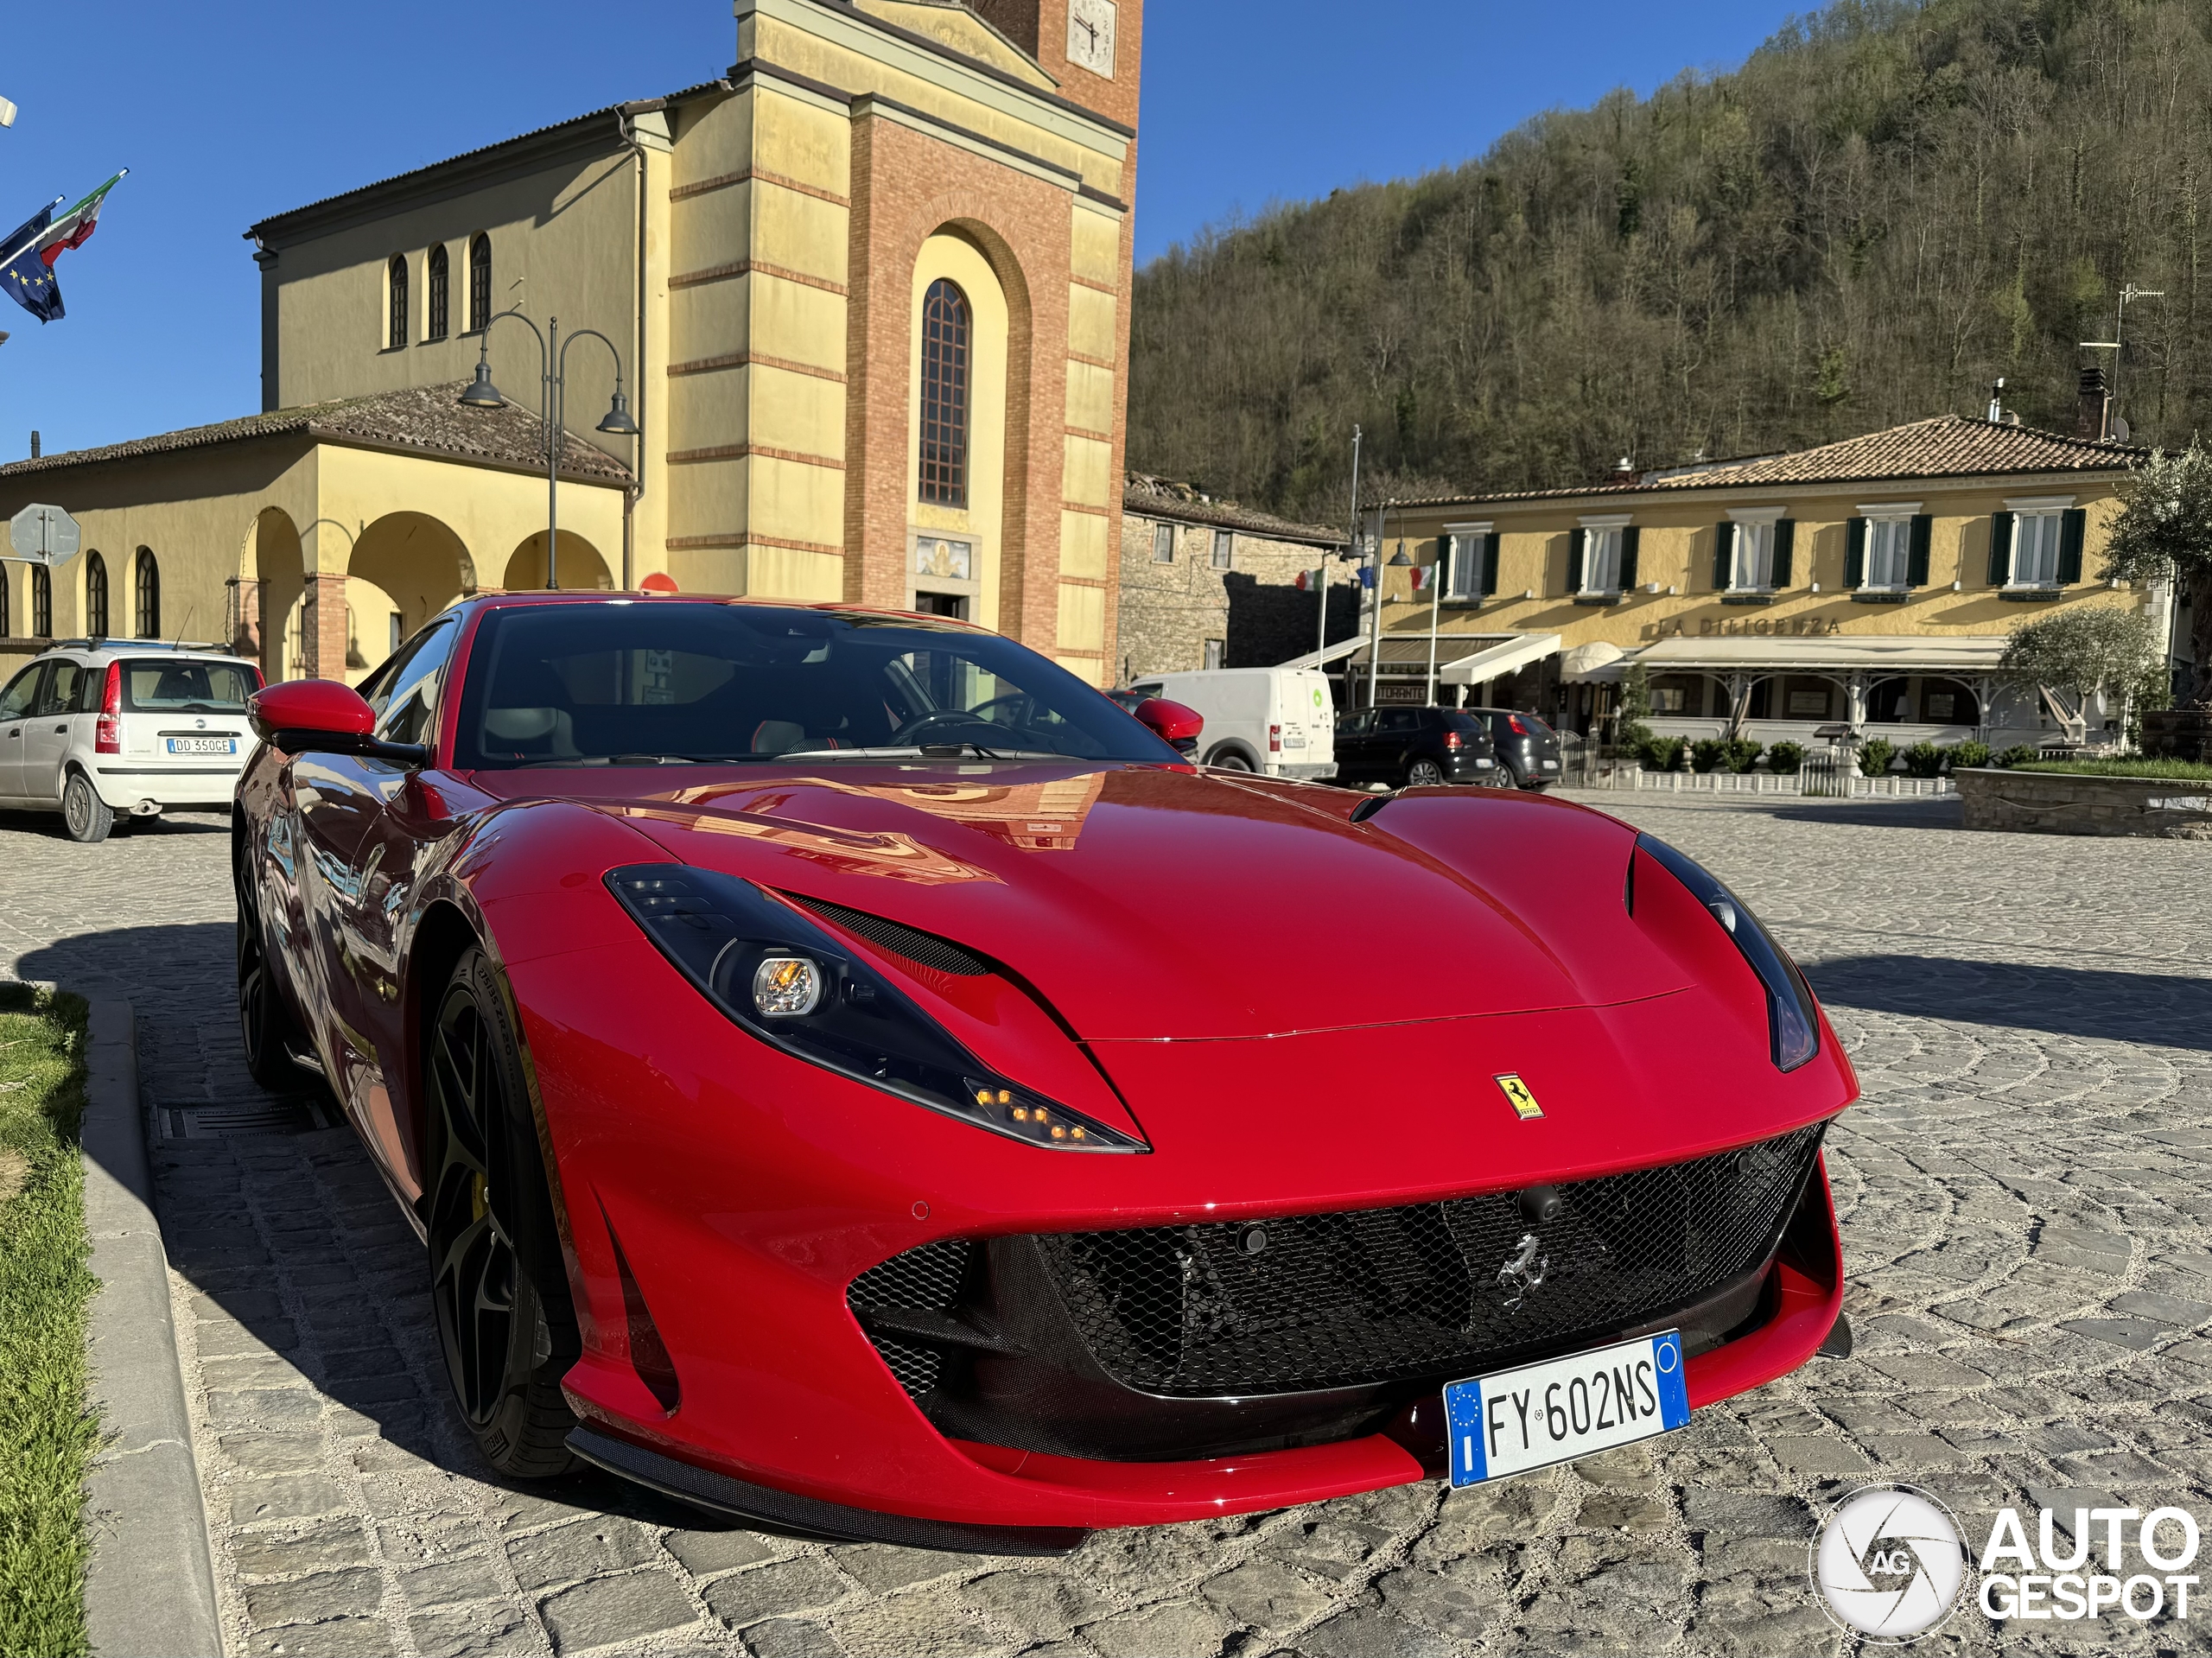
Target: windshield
{"type": "Point", "coordinates": [187, 686]}
{"type": "Point", "coordinates": [661, 682]}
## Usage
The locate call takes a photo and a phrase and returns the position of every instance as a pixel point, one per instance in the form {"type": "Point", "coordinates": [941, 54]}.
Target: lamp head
{"type": "Point", "coordinates": [618, 423]}
{"type": "Point", "coordinates": [1398, 560]}
{"type": "Point", "coordinates": [482, 393]}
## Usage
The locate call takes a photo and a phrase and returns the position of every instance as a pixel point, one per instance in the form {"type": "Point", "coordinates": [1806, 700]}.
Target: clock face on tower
{"type": "Point", "coordinates": [1090, 35]}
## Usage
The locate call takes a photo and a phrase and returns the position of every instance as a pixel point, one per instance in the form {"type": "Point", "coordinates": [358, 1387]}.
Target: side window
{"type": "Point", "coordinates": [16, 701]}
{"type": "Point", "coordinates": [1399, 722]}
{"type": "Point", "coordinates": [407, 699]}
{"type": "Point", "coordinates": [59, 695]}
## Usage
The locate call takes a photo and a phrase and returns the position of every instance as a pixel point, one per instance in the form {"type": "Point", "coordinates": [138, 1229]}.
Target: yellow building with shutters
{"type": "Point", "coordinates": [1870, 583]}
{"type": "Point", "coordinates": [866, 291]}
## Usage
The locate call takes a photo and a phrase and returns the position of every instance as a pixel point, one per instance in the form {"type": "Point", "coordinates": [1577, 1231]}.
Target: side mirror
{"type": "Point", "coordinates": [1171, 722]}
{"type": "Point", "coordinates": [320, 716]}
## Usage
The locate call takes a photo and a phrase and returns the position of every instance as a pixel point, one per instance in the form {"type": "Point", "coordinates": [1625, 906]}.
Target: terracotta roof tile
{"type": "Point", "coordinates": [1948, 446]}
{"type": "Point", "coordinates": [1164, 497]}
{"type": "Point", "coordinates": [425, 418]}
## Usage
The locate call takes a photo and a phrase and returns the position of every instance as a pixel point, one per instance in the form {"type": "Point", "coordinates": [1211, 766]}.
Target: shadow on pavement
{"type": "Point", "coordinates": [2167, 1010]}
{"type": "Point", "coordinates": [304, 1267]}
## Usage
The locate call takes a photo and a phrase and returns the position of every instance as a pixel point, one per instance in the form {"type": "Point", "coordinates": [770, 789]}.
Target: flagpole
{"type": "Point", "coordinates": [1450, 548]}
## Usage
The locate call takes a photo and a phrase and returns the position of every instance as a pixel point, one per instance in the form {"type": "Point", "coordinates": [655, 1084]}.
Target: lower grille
{"type": "Point", "coordinates": [927, 1279]}
{"type": "Point", "coordinates": [1368, 1296]}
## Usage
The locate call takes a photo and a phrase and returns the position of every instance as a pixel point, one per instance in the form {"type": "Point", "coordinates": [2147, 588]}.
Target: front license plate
{"type": "Point", "coordinates": [203, 745]}
{"type": "Point", "coordinates": [1564, 1408]}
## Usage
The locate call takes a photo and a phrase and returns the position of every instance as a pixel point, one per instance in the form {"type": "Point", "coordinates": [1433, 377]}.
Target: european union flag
{"type": "Point", "coordinates": [27, 279]}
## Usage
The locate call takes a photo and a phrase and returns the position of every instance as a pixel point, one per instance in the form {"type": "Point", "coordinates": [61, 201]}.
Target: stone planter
{"type": "Point", "coordinates": [2059, 803]}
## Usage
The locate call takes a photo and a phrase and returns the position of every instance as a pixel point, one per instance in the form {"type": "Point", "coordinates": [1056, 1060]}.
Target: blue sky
{"type": "Point", "coordinates": [231, 109]}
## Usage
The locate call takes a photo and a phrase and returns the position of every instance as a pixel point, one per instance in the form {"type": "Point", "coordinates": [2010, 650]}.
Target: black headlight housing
{"type": "Point", "coordinates": [1792, 1019]}
{"type": "Point", "coordinates": [781, 978]}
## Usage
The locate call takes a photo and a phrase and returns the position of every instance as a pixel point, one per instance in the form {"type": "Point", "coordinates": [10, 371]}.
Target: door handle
{"type": "Point", "coordinates": [63, 729]}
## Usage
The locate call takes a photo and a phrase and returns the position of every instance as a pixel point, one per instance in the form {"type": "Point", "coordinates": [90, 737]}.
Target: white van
{"type": "Point", "coordinates": [1278, 721]}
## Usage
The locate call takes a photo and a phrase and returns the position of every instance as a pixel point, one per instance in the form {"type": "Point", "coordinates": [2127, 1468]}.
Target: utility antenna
{"type": "Point", "coordinates": [2127, 293]}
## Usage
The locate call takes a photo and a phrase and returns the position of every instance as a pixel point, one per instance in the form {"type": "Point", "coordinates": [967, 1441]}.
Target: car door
{"type": "Point", "coordinates": [367, 833]}
{"type": "Point", "coordinates": [46, 734]}
{"type": "Point", "coordinates": [1354, 735]}
{"type": "Point", "coordinates": [15, 705]}
{"type": "Point", "coordinates": [1397, 736]}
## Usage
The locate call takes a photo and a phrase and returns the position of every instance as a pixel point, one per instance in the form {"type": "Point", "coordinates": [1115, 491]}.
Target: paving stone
{"type": "Point", "coordinates": [1371, 1632]}
{"type": "Point", "coordinates": [585, 1548]}
{"type": "Point", "coordinates": [1175, 1626]}
{"type": "Point", "coordinates": [608, 1610]}
{"type": "Point", "coordinates": [473, 1632]}
{"type": "Point", "coordinates": [341, 1637]}
{"type": "Point", "coordinates": [291, 1496]}
{"type": "Point", "coordinates": [929, 1622]}
{"type": "Point", "coordinates": [351, 1593]}
{"type": "Point", "coordinates": [447, 1581]}
{"type": "Point", "coordinates": [337, 1542]}
{"type": "Point", "coordinates": [881, 1567]}
{"type": "Point", "coordinates": [774, 1589]}
{"type": "Point", "coordinates": [704, 1553]}
{"type": "Point", "coordinates": [1037, 1604]}
{"type": "Point", "coordinates": [783, 1637]}
{"type": "Point", "coordinates": [274, 1453]}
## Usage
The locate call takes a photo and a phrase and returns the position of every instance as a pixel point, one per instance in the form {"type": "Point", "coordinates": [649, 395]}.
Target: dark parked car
{"type": "Point", "coordinates": [1405, 748]}
{"type": "Point", "coordinates": [1527, 747]}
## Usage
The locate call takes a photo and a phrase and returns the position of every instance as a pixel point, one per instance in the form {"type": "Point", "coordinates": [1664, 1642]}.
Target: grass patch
{"type": "Point", "coordinates": [2179, 770]}
{"type": "Point", "coordinates": [47, 1431]}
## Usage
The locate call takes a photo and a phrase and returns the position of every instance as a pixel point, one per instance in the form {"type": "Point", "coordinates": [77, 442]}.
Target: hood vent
{"type": "Point", "coordinates": [925, 948]}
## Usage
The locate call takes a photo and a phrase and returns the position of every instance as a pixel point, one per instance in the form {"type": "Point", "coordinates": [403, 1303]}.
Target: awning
{"type": "Point", "coordinates": [1407, 653]}
{"type": "Point", "coordinates": [1596, 660]}
{"type": "Point", "coordinates": [1502, 658]}
{"type": "Point", "coordinates": [1890, 653]}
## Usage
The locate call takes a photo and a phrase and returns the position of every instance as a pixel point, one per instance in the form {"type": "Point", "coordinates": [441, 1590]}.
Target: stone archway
{"type": "Point", "coordinates": [265, 612]}
{"type": "Point", "coordinates": [582, 567]}
{"type": "Point", "coordinates": [402, 570]}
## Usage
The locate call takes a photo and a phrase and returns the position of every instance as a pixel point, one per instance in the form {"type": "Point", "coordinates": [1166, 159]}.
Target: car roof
{"type": "Point", "coordinates": [102, 650]}
{"type": "Point", "coordinates": [514, 600]}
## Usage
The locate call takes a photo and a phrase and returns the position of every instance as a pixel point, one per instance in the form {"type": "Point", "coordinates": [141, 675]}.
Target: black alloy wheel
{"type": "Point", "coordinates": [1424, 774]}
{"type": "Point", "coordinates": [266, 1028]}
{"type": "Point", "coordinates": [505, 1319]}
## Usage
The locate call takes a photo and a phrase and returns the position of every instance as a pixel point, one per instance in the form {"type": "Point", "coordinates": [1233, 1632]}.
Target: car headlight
{"type": "Point", "coordinates": [778, 977]}
{"type": "Point", "coordinates": [1793, 1021]}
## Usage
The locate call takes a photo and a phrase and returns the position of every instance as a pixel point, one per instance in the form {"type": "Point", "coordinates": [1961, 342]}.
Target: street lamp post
{"type": "Point", "coordinates": [553, 362]}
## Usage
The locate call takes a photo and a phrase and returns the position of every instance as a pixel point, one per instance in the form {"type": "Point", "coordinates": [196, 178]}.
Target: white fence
{"type": "Point", "coordinates": [1839, 784]}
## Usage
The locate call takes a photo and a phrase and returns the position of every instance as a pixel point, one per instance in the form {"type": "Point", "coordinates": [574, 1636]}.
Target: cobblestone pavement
{"type": "Point", "coordinates": [2024, 1211]}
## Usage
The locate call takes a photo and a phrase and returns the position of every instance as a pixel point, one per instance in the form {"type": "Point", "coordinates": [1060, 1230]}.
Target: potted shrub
{"type": "Point", "coordinates": [1783, 759]}
{"type": "Point", "coordinates": [1708, 752]}
{"type": "Point", "coordinates": [1741, 752]}
{"type": "Point", "coordinates": [1924, 760]}
{"type": "Point", "coordinates": [2020, 754]}
{"type": "Point", "coordinates": [1968, 754]}
{"type": "Point", "coordinates": [1875, 757]}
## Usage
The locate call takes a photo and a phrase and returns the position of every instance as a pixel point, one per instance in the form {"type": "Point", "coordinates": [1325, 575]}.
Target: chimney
{"type": "Point", "coordinates": [1996, 401]}
{"type": "Point", "coordinates": [2092, 414]}
{"type": "Point", "coordinates": [1623, 471]}
{"type": "Point", "coordinates": [33, 445]}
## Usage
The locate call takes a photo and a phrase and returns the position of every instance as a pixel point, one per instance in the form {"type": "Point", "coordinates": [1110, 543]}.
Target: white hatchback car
{"type": "Point", "coordinates": [93, 729]}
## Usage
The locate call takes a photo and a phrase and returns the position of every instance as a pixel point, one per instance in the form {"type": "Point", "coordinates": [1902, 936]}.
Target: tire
{"type": "Point", "coordinates": [1424, 774]}
{"type": "Point", "coordinates": [266, 1028]}
{"type": "Point", "coordinates": [1230, 759]}
{"type": "Point", "coordinates": [499, 1290]}
{"type": "Point", "coordinates": [84, 815]}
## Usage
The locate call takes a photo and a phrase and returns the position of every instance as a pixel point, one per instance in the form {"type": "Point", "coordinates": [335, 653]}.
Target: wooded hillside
{"type": "Point", "coordinates": [1889, 206]}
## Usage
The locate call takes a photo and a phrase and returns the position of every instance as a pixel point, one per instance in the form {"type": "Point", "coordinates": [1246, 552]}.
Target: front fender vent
{"type": "Point", "coordinates": [926, 1280]}
{"type": "Point", "coordinates": [925, 948]}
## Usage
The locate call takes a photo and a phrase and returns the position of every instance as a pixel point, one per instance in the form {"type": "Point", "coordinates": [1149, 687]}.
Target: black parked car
{"type": "Point", "coordinates": [1527, 747]}
{"type": "Point", "coordinates": [1404, 747]}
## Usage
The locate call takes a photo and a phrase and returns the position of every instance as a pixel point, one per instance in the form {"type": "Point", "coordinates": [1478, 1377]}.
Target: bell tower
{"type": "Point", "coordinates": [1092, 47]}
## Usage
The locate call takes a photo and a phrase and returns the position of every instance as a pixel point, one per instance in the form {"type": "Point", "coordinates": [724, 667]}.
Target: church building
{"type": "Point", "coordinates": [865, 296]}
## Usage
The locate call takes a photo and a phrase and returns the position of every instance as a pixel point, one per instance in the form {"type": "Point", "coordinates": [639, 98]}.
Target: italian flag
{"type": "Point", "coordinates": [73, 227]}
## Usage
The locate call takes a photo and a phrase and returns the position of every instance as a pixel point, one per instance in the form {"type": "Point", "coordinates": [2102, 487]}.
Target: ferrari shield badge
{"type": "Point", "coordinates": [1517, 1096]}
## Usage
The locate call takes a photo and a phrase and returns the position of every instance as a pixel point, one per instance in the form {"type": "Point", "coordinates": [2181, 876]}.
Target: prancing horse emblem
{"type": "Point", "coordinates": [1524, 1270]}
{"type": "Point", "coordinates": [1517, 1095]}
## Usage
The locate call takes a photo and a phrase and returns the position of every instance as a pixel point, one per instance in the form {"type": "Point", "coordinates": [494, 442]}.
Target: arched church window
{"type": "Point", "coordinates": [149, 595]}
{"type": "Point", "coordinates": [945, 395]}
{"type": "Point", "coordinates": [435, 328]}
{"type": "Point", "coordinates": [396, 282]}
{"type": "Point", "coordinates": [480, 281]}
{"type": "Point", "coordinates": [6, 632]}
{"type": "Point", "coordinates": [41, 602]}
{"type": "Point", "coordinates": [95, 596]}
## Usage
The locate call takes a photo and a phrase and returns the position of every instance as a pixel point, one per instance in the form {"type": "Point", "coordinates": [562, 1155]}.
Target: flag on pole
{"type": "Point", "coordinates": [26, 263]}
{"type": "Point", "coordinates": [1423, 575]}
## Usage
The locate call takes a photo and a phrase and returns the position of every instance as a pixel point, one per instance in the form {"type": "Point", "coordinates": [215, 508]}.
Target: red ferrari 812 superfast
{"type": "Point", "coordinates": [851, 1075]}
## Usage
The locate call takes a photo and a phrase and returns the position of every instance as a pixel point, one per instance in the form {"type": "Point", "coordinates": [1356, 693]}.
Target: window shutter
{"type": "Point", "coordinates": [2000, 550]}
{"type": "Point", "coordinates": [1855, 554]}
{"type": "Point", "coordinates": [1785, 542]}
{"type": "Point", "coordinates": [1629, 538]}
{"type": "Point", "coordinates": [1916, 567]}
{"type": "Point", "coordinates": [1724, 554]}
{"type": "Point", "coordinates": [1574, 540]}
{"type": "Point", "coordinates": [2072, 528]}
{"type": "Point", "coordinates": [1489, 564]}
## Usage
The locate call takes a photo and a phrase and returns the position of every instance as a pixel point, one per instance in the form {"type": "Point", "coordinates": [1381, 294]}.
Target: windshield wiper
{"type": "Point", "coordinates": [925, 751]}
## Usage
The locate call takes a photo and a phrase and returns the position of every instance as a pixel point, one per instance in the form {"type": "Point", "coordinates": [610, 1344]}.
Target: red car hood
{"type": "Point", "coordinates": [1147, 903]}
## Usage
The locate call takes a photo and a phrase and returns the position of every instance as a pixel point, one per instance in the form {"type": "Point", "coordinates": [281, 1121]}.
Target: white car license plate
{"type": "Point", "coordinates": [1560, 1409]}
{"type": "Point", "coordinates": [1551, 766]}
{"type": "Point", "coordinates": [203, 745]}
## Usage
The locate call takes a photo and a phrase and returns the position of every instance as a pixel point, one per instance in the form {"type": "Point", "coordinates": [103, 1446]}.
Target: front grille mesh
{"type": "Point", "coordinates": [926, 1280]}
{"type": "Point", "coordinates": [1375, 1295]}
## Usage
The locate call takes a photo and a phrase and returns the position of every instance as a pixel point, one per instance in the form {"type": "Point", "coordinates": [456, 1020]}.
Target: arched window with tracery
{"type": "Point", "coordinates": [945, 395]}
{"type": "Point", "coordinates": [434, 321]}
{"type": "Point", "coordinates": [95, 596]}
{"type": "Point", "coordinates": [396, 280]}
{"type": "Point", "coordinates": [149, 595]}
{"type": "Point", "coordinates": [480, 281]}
